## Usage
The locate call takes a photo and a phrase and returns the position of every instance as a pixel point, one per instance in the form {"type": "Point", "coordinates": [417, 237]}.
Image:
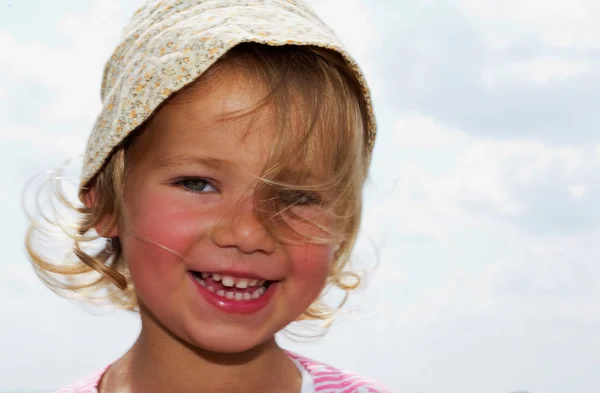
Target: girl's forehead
{"type": "Point", "coordinates": [233, 115]}
{"type": "Point", "coordinates": [220, 121]}
{"type": "Point", "coordinates": [226, 96]}
{"type": "Point", "coordinates": [230, 103]}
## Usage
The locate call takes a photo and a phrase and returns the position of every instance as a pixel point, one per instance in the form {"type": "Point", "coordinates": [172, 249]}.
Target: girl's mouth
{"type": "Point", "coordinates": [232, 288]}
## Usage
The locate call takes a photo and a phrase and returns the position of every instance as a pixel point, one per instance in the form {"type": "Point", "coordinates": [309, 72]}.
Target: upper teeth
{"type": "Point", "coordinates": [229, 281]}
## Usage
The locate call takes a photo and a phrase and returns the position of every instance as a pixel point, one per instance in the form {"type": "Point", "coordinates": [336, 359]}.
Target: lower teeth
{"type": "Point", "coordinates": [238, 296]}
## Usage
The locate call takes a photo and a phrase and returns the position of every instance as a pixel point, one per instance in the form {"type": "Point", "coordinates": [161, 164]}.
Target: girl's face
{"type": "Point", "coordinates": [202, 264]}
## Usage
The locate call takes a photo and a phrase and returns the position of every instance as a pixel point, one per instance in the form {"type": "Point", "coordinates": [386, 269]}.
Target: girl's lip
{"type": "Point", "coordinates": [232, 306]}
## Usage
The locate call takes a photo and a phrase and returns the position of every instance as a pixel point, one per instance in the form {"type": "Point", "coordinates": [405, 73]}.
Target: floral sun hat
{"type": "Point", "coordinates": [170, 43]}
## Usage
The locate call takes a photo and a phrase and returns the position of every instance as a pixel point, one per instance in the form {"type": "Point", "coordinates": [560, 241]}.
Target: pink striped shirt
{"type": "Point", "coordinates": [327, 379]}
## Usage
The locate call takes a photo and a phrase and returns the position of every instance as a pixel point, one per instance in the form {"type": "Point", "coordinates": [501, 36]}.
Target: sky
{"type": "Point", "coordinates": [480, 206]}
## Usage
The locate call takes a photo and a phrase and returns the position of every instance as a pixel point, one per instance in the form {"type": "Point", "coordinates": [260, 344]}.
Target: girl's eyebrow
{"type": "Point", "coordinates": [210, 162]}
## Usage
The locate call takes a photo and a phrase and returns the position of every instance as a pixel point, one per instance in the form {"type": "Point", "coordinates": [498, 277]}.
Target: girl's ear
{"type": "Point", "coordinates": [106, 227]}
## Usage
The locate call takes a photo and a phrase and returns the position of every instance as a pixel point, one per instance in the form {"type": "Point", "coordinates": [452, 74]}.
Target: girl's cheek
{"type": "Point", "coordinates": [312, 261]}
{"type": "Point", "coordinates": [172, 222]}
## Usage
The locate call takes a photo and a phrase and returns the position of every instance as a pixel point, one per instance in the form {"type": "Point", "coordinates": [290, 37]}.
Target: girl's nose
{"type": "Point", "coordinates": [242, 229]}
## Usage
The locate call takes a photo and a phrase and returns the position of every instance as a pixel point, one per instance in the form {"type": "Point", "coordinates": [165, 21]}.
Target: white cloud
{"type": "Point", "coordinates": [72, 72]}
{"type": "Point", "coordinates": [537, 71]}
{"type": "Point", "coordinates": [534, 305]}
{"type": "Point", "coordinates": [577, 191]}
{"type": "Point", "coordinates": [488, 174]}
{"type": "Point", "coordinates": [517, 161]}
{"type": "Point", "coordinates": [487, 279]}
{"type": "Point", "coordinates": [68, 145]}
{"type": "Point", "coordinates": [413, 130]}
{"type": "Point", "coordinates": [354, 29]}
{"type": "Point", "coordinates": [567, 24]}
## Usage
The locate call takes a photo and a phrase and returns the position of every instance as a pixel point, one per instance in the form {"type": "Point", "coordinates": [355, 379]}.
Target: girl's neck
{"type": "Point", "coordinates": [158, 362]}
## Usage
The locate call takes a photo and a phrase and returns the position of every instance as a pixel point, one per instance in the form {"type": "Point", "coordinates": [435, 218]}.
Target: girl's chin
{"type": "Point", "coordinates": [232, 346]}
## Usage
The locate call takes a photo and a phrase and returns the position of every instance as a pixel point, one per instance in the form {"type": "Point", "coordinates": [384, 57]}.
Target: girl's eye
{"type": "Point", "coordinates": [300, 198]}
{"type": "Point", "coordinates": [197, 185]}
{"type": "Point", "coordinates": [308, 199]}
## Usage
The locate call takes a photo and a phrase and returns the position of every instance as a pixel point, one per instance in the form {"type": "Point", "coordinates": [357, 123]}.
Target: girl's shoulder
{"type": "Point", "coordinates": [329, 379]}
{"type": "Point", "coordinates": [87, 384]}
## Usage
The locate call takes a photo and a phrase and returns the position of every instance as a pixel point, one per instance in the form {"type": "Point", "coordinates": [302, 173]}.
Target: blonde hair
{"type": "Point", "coordinates": [328, 105]}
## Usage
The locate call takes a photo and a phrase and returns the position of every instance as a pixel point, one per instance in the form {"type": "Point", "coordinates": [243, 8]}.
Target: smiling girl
{"type": "Point", "coordinates": [224, 175]}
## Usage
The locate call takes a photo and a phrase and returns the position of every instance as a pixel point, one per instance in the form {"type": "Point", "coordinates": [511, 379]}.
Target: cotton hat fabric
{"type": "Point", "coordinates": [168, 44]}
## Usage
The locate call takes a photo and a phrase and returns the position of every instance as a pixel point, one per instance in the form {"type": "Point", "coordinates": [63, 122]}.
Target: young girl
{"type": "Point", "coordinates": [223, 178]}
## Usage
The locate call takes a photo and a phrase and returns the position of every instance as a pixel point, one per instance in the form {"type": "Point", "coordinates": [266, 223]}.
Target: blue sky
{"type": "Point", "coordinates": [482, 201]}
